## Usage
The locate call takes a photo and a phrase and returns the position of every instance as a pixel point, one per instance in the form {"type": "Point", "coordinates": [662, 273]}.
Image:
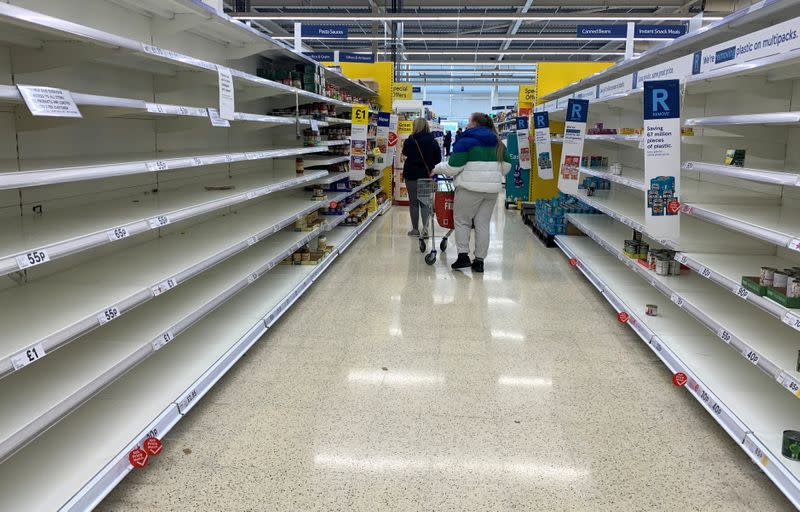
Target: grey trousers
{"type": "Point", "coordinates": [473, 207]}
{"type": "Point", "coordinates": [414, 206]}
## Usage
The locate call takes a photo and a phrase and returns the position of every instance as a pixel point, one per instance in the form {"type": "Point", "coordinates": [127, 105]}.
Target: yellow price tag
{"type": "Point", "coordinates": [360, 114]}
{"type": "Point", "coordinates": [405, 127]}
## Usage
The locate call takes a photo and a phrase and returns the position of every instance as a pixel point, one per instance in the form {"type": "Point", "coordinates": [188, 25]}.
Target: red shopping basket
{"type": "Point", "coordinates": [443, 203]}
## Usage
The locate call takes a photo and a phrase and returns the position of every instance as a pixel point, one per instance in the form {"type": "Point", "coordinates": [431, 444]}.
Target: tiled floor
{"type": "Point", "coordinates": [392, 385]}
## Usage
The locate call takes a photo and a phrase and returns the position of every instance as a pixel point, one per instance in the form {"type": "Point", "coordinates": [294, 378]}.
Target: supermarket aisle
{"type": "Point", "coordinates": [396, 386]}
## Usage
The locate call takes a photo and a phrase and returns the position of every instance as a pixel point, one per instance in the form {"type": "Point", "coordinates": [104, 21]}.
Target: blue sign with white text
{"type": "Point", "coordinates": [601, 31]}
{"type": "Point", "coordinates": [325, 31]}
{"type": "Point", "coordinates": [577, 110]}
{"type": "Point", "coordinates": [522, 123]}
{"type": "Point", "coordinates": [416, 89]}
{"type": "Point", "coordinates": [541, 120]}
{"type": "Point", "coordinates": [320, 56]}
{"type": "Point", "coordinates": [662, 99]}
{"type": "Point", "coordinates": [384, 118]}
{"type": "Point", "coordinates": [658, 31]}
{"type": "Point", "coordinates": [356, 57]}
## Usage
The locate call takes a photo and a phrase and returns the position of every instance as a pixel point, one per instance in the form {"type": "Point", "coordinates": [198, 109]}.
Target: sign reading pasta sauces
{"type": "Point", "coordinates": [541, 143]}
{"type": "Point", "coordinates": [572, 149]}
{"type": "Point", "coordinates": [662, 158]}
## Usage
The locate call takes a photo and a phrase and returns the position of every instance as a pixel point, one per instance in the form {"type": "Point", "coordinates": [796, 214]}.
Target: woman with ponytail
{"type": "Point", "coordinates": [478, 163]}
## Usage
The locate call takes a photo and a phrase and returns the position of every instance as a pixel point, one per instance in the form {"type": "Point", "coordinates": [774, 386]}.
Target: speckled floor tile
{"type": "Point", "coordinates": [395, 386]}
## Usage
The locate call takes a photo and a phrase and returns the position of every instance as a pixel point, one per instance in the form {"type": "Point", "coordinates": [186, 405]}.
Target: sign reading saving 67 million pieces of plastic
{"type": "Point", "coordinates": [572, 148]}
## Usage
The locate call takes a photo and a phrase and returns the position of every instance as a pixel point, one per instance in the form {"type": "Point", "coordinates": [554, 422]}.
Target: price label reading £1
{"type": "Point", "coordinates": [27, 356]}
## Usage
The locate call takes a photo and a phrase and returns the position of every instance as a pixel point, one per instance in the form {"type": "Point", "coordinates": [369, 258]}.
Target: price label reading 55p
{"type": "Point", "coordinates": [108, 315]}
{"type": "Point", "coordinates": [32, 259]}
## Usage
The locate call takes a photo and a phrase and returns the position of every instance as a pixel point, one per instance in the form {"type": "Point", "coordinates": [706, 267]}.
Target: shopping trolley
{"type": "Point", "coordinates": [437, 195]}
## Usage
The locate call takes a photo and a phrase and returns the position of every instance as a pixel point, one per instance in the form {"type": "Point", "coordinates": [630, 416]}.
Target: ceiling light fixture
{"type": "Point", "coordinates": [458, 17]}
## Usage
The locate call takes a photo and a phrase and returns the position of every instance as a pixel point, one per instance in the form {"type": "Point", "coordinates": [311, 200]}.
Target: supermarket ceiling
{"type": "Point", "coordinates": [481, 33]}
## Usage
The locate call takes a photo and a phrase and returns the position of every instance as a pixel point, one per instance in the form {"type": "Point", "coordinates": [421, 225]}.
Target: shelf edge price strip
{"type": "Point", "coordinates": [27, 356]}
{"type": "Point", "coordinates": [109, 314]}
{"type": "Point", "coordinates": [792, 320]}
{"type": "Point", "coordinates": [33, 258]}
{"type": "Point", "coordinates": [117, 234]}
{"type": "Point", "coordinates": [163, 339]}
{"type": "Point", "coordinates": [164, 286]}
{"type": "Point", "coordinates": [157, 222]}
{"type": "Point", "coordinates": [789, 383]}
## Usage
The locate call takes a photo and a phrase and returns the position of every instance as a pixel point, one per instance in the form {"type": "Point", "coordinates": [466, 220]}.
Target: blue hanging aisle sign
{"type": "Point", "coordinates": [658, 31]}
{"type": "Point", "coordinates": [320, 56]}
{"type": "Point", "coordinates": [601, 31]}
{"type": "Point", "coordinates": [572, 149]}
{"type": "Point", "coordinates": [662, 158]}
{"type": "Point", "coordinates": [356, 57]}
{"type": "Point", "coordinates": [324, 31]}
{"type": "Point", "coordinates": [541, 141]}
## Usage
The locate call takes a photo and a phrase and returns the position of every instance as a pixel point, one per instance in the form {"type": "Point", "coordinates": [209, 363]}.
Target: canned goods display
{"type": "Point", "coordinates": [779, 279]}
{"type": "Point", "coordinates": [767, 276]}
{"type": "Point", "coordinates": [651, 310]}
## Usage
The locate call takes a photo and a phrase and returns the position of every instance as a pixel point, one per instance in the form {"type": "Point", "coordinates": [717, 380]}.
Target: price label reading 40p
{"type": "Point", "coordinates": [33, 258]}
{"type": "Point", "coordinates": [108, 315]}
{"type": "Point", "coordinates": [27, 356]}
{"type": "Point", "coordinates": [751, 355]}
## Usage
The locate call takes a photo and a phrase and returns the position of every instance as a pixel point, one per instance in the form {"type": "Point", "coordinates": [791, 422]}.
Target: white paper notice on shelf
{"type": "Point", "coordinates": [572, 147]}
{"type": "Point", "coordinates": [541, 143]}
{"type": "Point", "coordinates": [314, 126]}
{"type": "Point", "coordinates": [662, 158]}
{"type": "Point", "coordinates": [213, 115]}
{"type": "Point", "coordinates": [226, 99]}
{"type": "Point", "coordinates": [48, 101]}
{"type": "Point", "coordinates": [523, 143]}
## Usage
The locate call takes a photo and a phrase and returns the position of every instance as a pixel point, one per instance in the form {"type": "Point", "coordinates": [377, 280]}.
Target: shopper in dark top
{"type": "Point", "coordinates": [422, 153]}
{"type": "Point", "coordinates": [448, 141]}
{"type": "Point", "coordinates": [458, 133]}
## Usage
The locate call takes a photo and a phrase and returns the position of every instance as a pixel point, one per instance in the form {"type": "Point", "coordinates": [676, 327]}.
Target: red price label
{"type": "Point", "coordinates": [673, 206]}
{"type": "Point", "coordinates": [138, 458]}
{"type": "Point", "coordinates": [332, 204]}
{"type": "Point", "coordinates": [573, 261]}
{"type": "Point", "coordinates": [623, 317]}
{"type": "Point", "coordinates": [153, 446]}
{"type": "Point", "coordinates": [679, 379]}
{"type": "Point", "coordinates": [392, 139]}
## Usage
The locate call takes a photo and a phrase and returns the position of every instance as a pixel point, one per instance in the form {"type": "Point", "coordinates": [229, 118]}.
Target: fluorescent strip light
{"type": "Point", "coordinates": [435, 38]}
{"type": "Point", "coordinates": [498, 52]}
{"type": "Point", "coordinates": [457, 17]}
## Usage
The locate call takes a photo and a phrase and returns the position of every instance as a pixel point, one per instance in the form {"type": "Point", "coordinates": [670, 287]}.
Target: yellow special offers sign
{"type": "Point", "coordinates": [404, 127]}
{"type": "Point", "coordinates": [527, 94]}
{"type": "Point", "coordinates": [401, 91]}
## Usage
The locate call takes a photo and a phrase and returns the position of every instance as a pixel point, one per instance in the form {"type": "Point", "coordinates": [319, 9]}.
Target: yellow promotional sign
{"type": "Point", "coordinates": [360, 114]}
{"type": "Point", "coordinates": [404, 127]}
{"type": "Point", "coordinates": [402, 91]}
{"type": "Point", "coordinates": [527, 94]}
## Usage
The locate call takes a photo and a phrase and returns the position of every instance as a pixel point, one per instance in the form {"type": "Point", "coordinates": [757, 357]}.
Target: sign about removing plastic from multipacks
{"type": "Point", "coordinates": [541, 143]}
{"type": "Point", "coordinates": [572, 148]}
{"type": "Point", "coordinates": [662, 158]}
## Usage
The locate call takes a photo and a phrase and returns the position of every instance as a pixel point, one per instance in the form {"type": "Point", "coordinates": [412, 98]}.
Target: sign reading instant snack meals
{"type": "Point", "coordinates": [528, 94]}
{"type": "Point", "coordinates": [662, 158]}
{"type": "Point", "coordinates": [541, 143]}
{"type": "Point", "coordinates": [402, 91]}
{"type": "Point", "coordinates": [572, 149]}
{"type": "Point", "coordinates": [358, 141]}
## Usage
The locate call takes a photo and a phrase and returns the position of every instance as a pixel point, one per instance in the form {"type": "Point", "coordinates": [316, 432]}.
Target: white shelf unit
{"type": "Point", "coordinates": [745, 402]}
{"type": "Point", "coordinates": [156, 236]}
{"type": "Point", "coordinates": [173, 380]}
{"type": "Point", "coordinates": [733, 221]}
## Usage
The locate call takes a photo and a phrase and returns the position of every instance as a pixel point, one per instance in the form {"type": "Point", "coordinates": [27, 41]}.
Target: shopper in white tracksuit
{"type": "Point", "coordinates": [478, 163]}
